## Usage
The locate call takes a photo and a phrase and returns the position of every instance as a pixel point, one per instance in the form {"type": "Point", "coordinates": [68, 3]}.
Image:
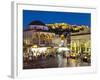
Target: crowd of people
{"type": "Point", "coordinates": [62, 58]}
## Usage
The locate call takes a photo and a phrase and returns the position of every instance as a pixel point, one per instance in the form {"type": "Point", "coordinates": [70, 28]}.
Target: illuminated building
{"type": "Point", "coordinates": [75, 37]}
{"type": "Point", "coordinates": [81, 41]}
{"type": "Point", "coordinates": [37, 34]}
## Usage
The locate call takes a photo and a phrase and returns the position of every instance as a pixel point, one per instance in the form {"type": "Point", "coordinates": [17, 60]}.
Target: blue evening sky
{"type": "Point", "coordinates": [48, 17]}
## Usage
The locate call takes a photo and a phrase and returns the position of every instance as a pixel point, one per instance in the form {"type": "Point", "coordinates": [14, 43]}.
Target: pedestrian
{"type": "Point", "coordinates": [59, 59]}
{"type": "Point", "coordinates": [65, 60]}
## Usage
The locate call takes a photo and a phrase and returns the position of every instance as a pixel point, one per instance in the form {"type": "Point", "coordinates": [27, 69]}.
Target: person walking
{"type": "Point", "coordinates": [59, 59]}
{"type": "Point", "coordinates": [65, 60]}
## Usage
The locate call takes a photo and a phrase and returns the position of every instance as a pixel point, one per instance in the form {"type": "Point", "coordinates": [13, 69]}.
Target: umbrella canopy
{"type": "Point", "coordinates": [63, 49]}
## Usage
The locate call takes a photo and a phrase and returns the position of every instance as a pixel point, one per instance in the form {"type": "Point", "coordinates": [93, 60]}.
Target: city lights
{"type": "Point", "coordinates": [57, 44]}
